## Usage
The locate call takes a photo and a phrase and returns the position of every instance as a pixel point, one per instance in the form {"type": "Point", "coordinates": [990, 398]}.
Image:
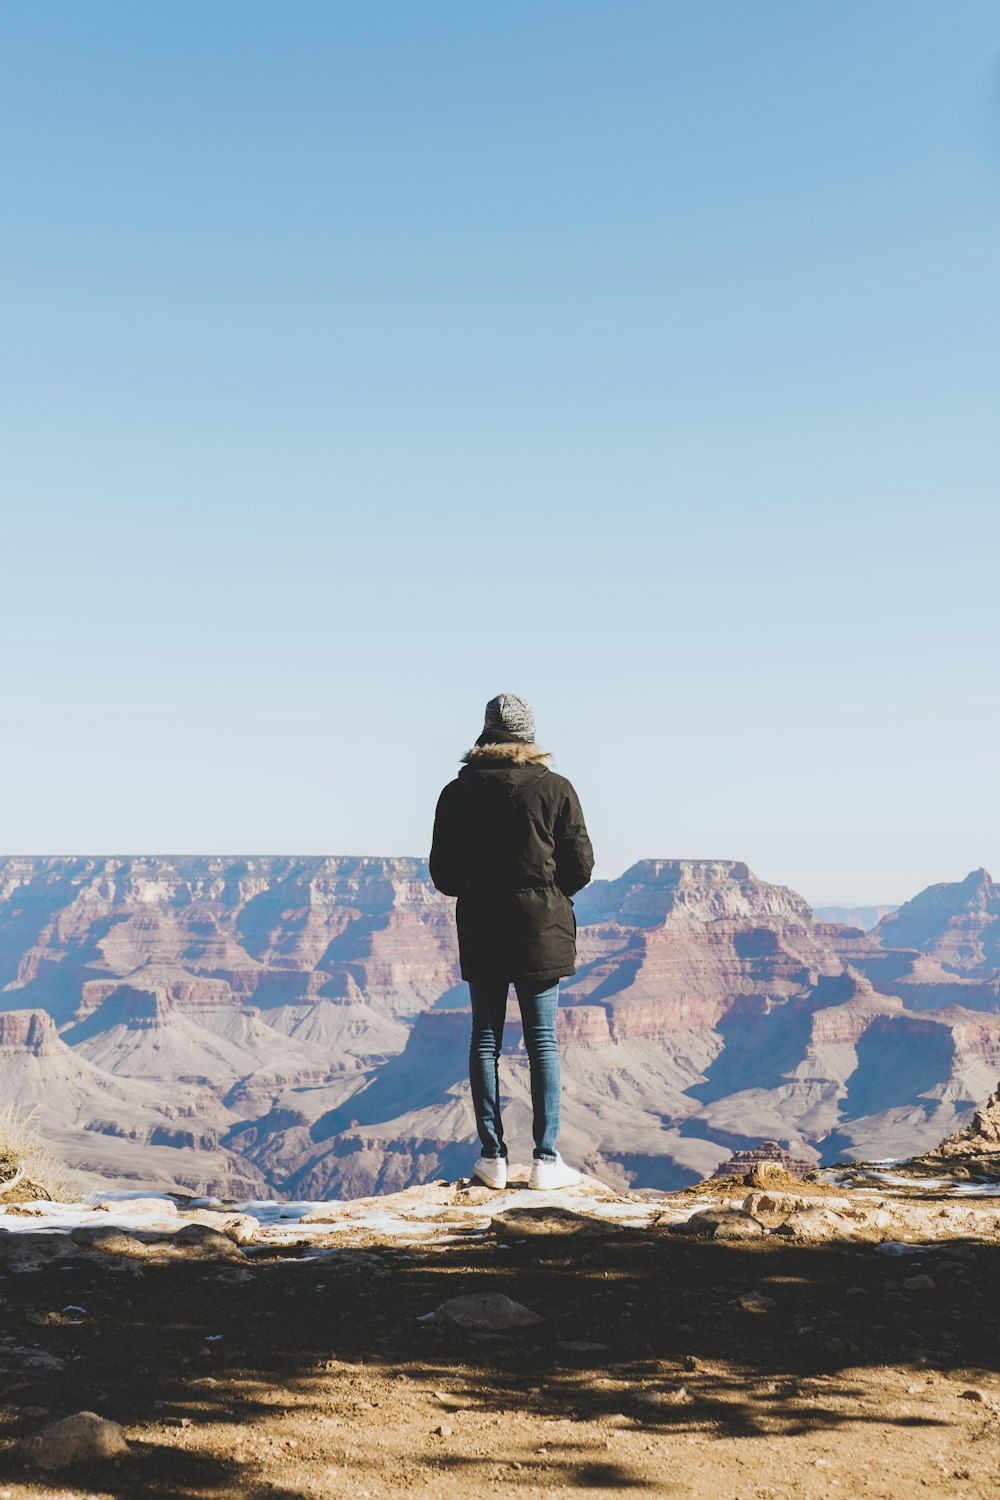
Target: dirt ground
{"type": "Point", "coordinates": [661, 1365]}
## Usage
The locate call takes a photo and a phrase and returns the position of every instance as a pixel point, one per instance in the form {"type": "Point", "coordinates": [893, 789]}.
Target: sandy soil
{"type": "Point", "coordinates": [662, 1365]}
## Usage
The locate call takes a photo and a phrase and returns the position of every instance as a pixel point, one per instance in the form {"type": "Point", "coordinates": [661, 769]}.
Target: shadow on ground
{"type": "Point", "coordinates": [640, 1328]}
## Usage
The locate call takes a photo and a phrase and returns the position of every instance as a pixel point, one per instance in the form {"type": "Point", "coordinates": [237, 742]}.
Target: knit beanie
{"type": "Point", "coordinates": [510, 714]}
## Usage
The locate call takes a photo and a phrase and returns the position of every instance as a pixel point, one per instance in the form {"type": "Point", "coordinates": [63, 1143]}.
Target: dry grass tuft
{"type": "Point", "coordinates": [28, 1169]}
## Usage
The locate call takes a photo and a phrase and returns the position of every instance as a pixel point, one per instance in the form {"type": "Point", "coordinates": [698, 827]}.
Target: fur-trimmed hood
{"type": "Point", "coordinates": [513, 753]}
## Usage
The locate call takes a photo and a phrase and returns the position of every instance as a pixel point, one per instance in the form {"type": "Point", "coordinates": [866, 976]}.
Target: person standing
{"type": "Point", "coordinates": [511, 843]}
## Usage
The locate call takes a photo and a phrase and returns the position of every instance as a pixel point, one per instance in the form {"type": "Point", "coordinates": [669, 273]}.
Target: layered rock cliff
{"type": "Point", "coordinates": [297, 1027]}
{"type": "Point", "coordinates": [209, 931]}
{"type": "Point", "coordinates": [957, 924]}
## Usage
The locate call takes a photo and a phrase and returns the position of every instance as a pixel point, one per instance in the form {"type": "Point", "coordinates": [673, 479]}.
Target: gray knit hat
{"type": "Point", "coordinates": [511, 714]}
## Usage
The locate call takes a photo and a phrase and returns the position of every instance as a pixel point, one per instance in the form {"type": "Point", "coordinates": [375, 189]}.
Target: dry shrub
{"type": "Point", "coordinates": [28, 1169]}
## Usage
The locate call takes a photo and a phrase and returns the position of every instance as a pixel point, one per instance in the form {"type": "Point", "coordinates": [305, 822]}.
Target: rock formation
{"type": "Point", "coordinates": [295, 1027]}
{"type": "Point", "coordinates": [763, 1163]}
{"type": "Point", "coordinates": [972, 1152]}
{"type": "Point", "coordinates": [958, 924]}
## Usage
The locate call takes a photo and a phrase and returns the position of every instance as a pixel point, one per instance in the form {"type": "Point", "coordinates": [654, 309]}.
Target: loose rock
{"type": "Point", "coordinates": [203, 1242]}
{"type": "Point", "coordinates": [815, 1224]}
{"type": "Point", "coordinates": [110, 1240]}
{"type": "Point", "coordinates": [677, 1397]}
{"type": "Point", "coordinates": [720, 1224]}
{"type": "Point", "coordinates": [82, 1438]}
{"type": "Point", "coordinates": [755, 1302]}
{"type": "Point", "coordinates": [484, 1311]}
{"type": "Point", "coordinates": [452, 1401]}
{"type": "Point", "coordinates": [240, 1228]}
{"type": "Point", "coordinates": [550, 1223]}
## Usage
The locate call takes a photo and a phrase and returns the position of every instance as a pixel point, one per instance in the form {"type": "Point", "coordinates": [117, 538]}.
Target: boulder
{"type": "Point", "coordinates": [547, 1223]}
{"type": "Point", "coordinates": [110, 1240]}
{"type": "Point", "coordinates": [756, 1302]}
{"type": "Point", "coordinates": [816, 1224]}
{"type": "Point", "coordinates": [484, 1312]}
{"type": "Point", "coordinates": [241, 1228]}
{"type": "Point", "coordinates": [82, 1438]}
{"type": "Point", "coordinates": [193, 1241]}
{"type": "Point", "coordinates": [720, 1224]}
{"type": "Point", "coordinates": [200, 1241]}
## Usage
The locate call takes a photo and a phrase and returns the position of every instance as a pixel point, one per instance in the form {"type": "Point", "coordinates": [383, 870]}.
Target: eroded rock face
{"type": "Point", "coordinates": [765, 1165]}
{"type": "Point", "coordinates": [204, 930]}
{"type": "Point", "coordinates": [252, 1027]}
{"type": "Point", "coordinates": [28, 1031]}
{"type": "Point", "coordinates": [985, 1126]}
{"type": "Point", "coordinates": [980, 1137]}
{"type": "Point", "coordinates": [974, 1150]}
{"type": "Point", "coordinates": [692, 891]}
{"type": "Point", "coordinates": [958, 924]}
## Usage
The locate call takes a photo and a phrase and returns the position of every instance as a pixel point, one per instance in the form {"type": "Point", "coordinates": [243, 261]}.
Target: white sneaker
{"type": "Point", "coordinates": [491, 1170]}
{"type": "Point", "coordinates": [546, 1175]}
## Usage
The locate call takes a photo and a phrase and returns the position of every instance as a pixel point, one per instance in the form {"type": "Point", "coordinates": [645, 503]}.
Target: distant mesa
{"type": "Point", "coordinates": [287, 1027]}
{"type": "Point", "coordinates": [763, 1164]}
{"type": "Point", "coordinates": [655, 891]}
{"type": "Point", "coordinates": [31, 1032]}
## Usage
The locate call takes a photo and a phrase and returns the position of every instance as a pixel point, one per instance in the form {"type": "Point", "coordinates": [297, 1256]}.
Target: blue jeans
{"type": "Point", "coordinates": [538, 1017]}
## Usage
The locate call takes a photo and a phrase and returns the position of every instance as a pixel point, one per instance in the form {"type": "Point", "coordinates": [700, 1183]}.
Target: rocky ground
{"type": "Point", "coordinates": [735, 1341]}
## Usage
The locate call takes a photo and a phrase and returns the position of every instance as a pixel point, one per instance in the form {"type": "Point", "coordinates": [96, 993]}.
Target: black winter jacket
{"type": "Point", "coordinates": [510, 842]}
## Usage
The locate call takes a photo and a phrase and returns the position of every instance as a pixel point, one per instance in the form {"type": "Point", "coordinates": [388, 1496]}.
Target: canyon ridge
{"type": "Point", "coordinates": [296, 1028]}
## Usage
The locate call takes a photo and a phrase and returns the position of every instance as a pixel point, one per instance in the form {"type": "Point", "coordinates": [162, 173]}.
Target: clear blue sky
{"type": "Point", "coordinates": [363, 360]}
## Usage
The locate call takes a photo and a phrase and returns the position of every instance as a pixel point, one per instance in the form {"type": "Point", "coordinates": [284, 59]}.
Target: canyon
{"type": "Point", "coordinates": [295, 1028]}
